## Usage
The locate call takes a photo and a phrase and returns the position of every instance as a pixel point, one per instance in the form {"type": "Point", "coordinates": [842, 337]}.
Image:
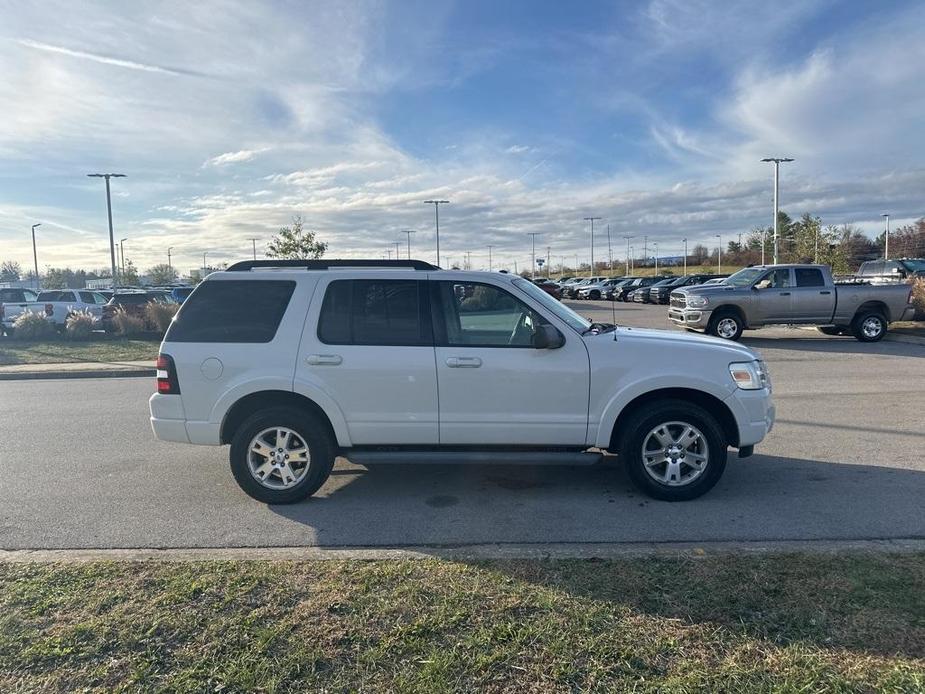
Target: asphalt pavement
{"type": "Point", "coordinates": [81, 469]}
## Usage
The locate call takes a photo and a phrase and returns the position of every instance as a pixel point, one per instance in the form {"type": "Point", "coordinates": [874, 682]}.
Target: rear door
{"type": "Point", "coordinates": [813, 301]}
{"type": "Point", "coordinates": [494, 386]}
{"type": "Point", "coordinates": [368, 343]}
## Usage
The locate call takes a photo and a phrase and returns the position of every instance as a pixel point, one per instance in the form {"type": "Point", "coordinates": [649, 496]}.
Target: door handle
{"type": "Point", "coordinates": [323, 359]}
{"type": "Point", "coordinates": [785, 293]}
{"type": "Point", "coordinates": [825, 292]}
{"type": "Point", "coordinates": [463, 362]}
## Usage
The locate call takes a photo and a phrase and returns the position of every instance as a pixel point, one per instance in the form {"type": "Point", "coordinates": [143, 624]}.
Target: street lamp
{"type": "Point", "coordinates": [533, 234]}
{"type": "Point", "coordinates": [169, 265]}
{"type": "Point", "coordinates": [719, 254]}
{"type": "Point", "coordinates": [203, 265]}
{"type": "Point", "coordinates": [35, 257]}
{"type": "Point", "coordinates": [436, 204]}
{"type": "Point", "coordinates": [254, 245]}
{"type": "Point", "coordinates": [655, 247]}
{"type": "Point", "coordinates": [122, 256]}
{"type": "Point", "coordinates": [609, 250]}
{"type": "Point", "coordinates": [592, 220]}
{"type": "Point", "coordinates": [112, 243]}
{"type": "Point", "coordinates": [777, 162]}
{"type": "Point", "coordinates": [628, 253]}
{"type": "Point", "coordinates": [408, 233]}
{"type": "Point", "coordinates": [685, 257]}
{"type": "Point", "coordinates": [489, 257]}
{"type": "Point", "coordinates": [886, 238]}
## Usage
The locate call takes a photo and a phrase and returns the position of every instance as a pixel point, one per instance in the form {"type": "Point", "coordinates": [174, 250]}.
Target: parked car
{"type": "Point", "coordinates": [660, 292]}
{"type": "Point", "coordinates": [293, 363]}
{"type": "Point", "coordinates": [133, 302]}
{"type": "Point", "coordinates": [886, 271]}
{"type": "Point", "coordinates": [641, 295]}
{"type": "Point", "coordinates": [614, 290]}
{"type": "Point", "coordinates": [792, 294]}
{"type": "Point", "coordinates": [12, 302]}
{"type": "Point", "coordinates": [56, 305]}
{"type": "Point", "coordinates": [599, 290]}
{"type": "Point", "coordinates": [180, 294]}
{"type": "Point", "coordinates": [620, 294]}
{"type": "Point", "coordinates": [571, 291]}
{"type": "Point", "coordinates": [549, 287]}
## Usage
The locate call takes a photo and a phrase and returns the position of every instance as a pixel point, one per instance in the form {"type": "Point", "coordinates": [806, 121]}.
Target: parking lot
{"type": "Point", "coordinates": [81, 469]}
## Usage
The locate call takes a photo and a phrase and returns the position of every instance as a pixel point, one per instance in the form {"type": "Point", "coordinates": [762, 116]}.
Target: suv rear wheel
{"type": "Point", "coordinates": [281, 455]}
{"type": "Point", "coordinates": [674, 450]}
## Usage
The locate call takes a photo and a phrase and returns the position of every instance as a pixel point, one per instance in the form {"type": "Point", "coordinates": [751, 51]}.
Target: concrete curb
{"type": "Point", "coordinates": [691, 550]}
{"type": "Point", "coordinates": [77, 373]}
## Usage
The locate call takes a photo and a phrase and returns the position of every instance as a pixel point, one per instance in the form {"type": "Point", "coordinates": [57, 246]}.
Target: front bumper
{"type": "Point", "coordinates": [754, 412]}
{"type": "Point", "coordinates": [689, 317]}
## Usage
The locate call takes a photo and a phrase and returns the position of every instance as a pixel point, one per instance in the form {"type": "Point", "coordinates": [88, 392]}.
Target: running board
{"type": "Point", "coordinates": [363, 457]}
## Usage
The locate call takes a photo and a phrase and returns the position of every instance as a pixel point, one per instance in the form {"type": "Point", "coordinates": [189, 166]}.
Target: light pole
{"type": "Point", "coordinates": [408, 233]}
{"type": "Point", "coordinates": [592, 220]}
{"type": "Point", "coordinates": [122, 256]}
{"type": "Point", "coordinates": [628, 253]}
{"type": "Point", "coordinates": [203, 265]}
{"type": "Point", "coordinates": [886, 238]}
{"type": "Point", "coordinates": [169, 265]}
{"type": "Point", "coordinates": [436, 204]}
{"type": "Point", "coordinates": [35, 256]}
{"type": "Point", "coordinates": [548, 251]}
{"type": "Point", "coordinates": [777, 162]}
{"type": "Point", "coordinates": [397, 245]}
{"type": "Point", "coordinates": [533, 235]}
{"type": "Point", "coordinates": [719, 254]}
{"type": "Point", "coordinates": [632, 260]}
{"type": "Point", "coordinates": [489, 257]}
{"type": "Point", "coordinates": [576, 264]}
{"type": "Point", "coordinates": [655, 247]}
{"type": "Point", "coordinates": [609, 250]}
{"type": "Point", "coordinates": [112, 243]}
{"type": "Point", "coordinates": [254, 245]}
{"type": "Point", "coordinates": [685, 257]}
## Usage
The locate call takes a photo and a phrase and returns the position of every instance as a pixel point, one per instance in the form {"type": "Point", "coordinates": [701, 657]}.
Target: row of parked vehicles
{"type": "Point", "coordinates": [655, 289]}
{"type": "Point", "coordinates": [58, 304]}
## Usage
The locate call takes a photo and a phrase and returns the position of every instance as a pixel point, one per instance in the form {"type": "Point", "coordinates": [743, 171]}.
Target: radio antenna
{"type": "Point", "coordinates": [613, 316]}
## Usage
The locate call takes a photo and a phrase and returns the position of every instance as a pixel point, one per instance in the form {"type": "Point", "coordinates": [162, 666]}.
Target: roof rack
{"type": "Point", "coordinates": [246, 265]}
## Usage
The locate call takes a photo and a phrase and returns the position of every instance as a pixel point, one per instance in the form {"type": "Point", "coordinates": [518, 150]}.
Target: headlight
{"type": "Point", "coordinates": [697, 301]}
{"type": "Point", "coordinates": [750, 375]}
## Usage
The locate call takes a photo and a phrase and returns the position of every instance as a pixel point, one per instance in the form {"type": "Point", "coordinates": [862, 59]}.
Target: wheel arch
{"type": "Point", "coordinates": [873, 305]}
{"type": "Point", "coordinates": [705, 400]}
{"type": "Point", "coordinates": [265, 399]}
{"type": "Point", "coordinates": [730, 308]}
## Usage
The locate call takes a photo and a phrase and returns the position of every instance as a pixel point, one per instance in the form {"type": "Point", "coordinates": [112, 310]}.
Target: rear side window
{"type": "Point", "coordinates": [56, 295]}
{"type": "Point", "coordinates": [375, 312]}
{"type": "Point", "coordinates": [809, 277]}
{"type": "Point", "coordinates": [232, 311]}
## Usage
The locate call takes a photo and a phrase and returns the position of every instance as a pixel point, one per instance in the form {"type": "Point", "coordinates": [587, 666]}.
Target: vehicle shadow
{"type": "Point", "coordinates": [843, 345]}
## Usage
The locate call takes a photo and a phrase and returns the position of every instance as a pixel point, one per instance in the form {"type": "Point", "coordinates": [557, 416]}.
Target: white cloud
{"type": "Point", "coordinates": [517, 149]}
{"type": "Point", "coordinates": [103, 59]}
{"type": "Point", "coordinates": [234, 157]}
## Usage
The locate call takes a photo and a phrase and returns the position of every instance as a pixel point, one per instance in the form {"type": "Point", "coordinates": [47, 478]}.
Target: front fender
{"type": "Point", "coordinates": [630, 391]}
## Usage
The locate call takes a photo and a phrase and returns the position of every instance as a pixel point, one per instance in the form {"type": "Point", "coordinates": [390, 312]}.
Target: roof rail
{"type": "Point", "coordinates": [246, 265]}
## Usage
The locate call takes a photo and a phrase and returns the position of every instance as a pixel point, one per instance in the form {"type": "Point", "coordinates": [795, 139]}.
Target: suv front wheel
{"type": "Point", "coordinates": [281, 455]}
{"type": "Point", "coordinates": [674, 450]}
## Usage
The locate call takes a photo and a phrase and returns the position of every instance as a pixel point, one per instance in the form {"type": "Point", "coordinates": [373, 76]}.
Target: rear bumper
{"type": "Point", "coordinates": [689, 318]}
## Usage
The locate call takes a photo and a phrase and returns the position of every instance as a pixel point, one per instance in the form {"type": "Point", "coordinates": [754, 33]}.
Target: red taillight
{"type": "Point", "coordinates": [49, 310]}
{"type": "Point", "coordinates": [167, 383]}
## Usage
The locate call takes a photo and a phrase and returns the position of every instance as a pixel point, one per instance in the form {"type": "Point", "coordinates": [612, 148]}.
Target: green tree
{"type": "Point", "coordinates": [56, 278]}
{"type": "Point", "coordinates": [162, 274]}
{"type": "Point", "coordinates": [10, 271]}
{"type": "Point", "coordinates": [130, 274]}
{"type": "Point", "coordinates": [296, 243]}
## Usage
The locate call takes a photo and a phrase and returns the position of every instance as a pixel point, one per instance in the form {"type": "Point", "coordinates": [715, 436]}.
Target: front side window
{"type": "Point", "coordinates": [482, 315]}
{"type": "Point", "coordinates": [374, 312]}
{"type": "Point", "coordinates": [776, 279]}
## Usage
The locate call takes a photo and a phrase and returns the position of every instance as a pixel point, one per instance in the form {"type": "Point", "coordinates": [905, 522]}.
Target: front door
{"type": "Point", "coordinates": [774, 297]}
{"type": "Point", "coordinates": [494, 386]}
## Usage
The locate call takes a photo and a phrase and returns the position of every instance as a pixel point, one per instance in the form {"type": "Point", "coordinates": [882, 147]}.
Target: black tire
{"type": "Point", "coordinates": [863, 326]}
{"type": "Point", "coordinates": [647, 418]}
{"type": "Point", "coordinates": [308, 427]}
{"type": "Point", "coordinates": [596, 295]}
{"type": "Point", "coordinates": [720, 322]}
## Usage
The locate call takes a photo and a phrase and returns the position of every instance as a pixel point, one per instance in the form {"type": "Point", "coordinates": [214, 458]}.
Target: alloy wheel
{"type": "Point", "coordinates": [675, 453]}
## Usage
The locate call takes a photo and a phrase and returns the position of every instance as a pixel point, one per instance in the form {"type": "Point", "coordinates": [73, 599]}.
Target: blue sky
{"type": "Point", "coordinates": [230, 118]}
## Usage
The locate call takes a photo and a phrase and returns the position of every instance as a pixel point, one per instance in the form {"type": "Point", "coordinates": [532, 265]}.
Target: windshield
{"type": "Point", "coordinates": [915, 264]}
{"type": "Point", "coordinates": [561, 311]}
{"type": "Point", "coordinates": [746, 277]}
{"type": "Point", "coordinates": [666, 282]}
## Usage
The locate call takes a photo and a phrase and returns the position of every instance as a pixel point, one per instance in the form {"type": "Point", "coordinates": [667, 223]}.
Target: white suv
{"type": "Point", "coordinates": [296, 362]}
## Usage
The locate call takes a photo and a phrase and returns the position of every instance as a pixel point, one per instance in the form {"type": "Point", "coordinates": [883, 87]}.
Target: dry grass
{"type": "Point", "coordinates": [158, 315]}
{"type": "Point", "coordinates": [747, 624]}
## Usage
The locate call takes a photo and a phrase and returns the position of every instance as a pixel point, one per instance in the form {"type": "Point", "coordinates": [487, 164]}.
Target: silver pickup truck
{"type": "Point", "coordinates": [791, 294]}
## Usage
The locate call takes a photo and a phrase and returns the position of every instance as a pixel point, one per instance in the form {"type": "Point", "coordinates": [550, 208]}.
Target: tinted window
{"type": "Point", "coordinates": [777, 279]}
{"type": "Point", "coordinates": [481, 315]}
{"type": "Point", "coordinates": [126, 299]}
{"type": "Point", "coordinates": [87, 297]}
{"type": "Point", "coordinates": [232, 311]}
{"type": "Point", "coordinates": [872, 268]}
{"type": "Point", "coordinates": [56, 295]}
{"type": "Point", "coordinates": [374, 312]}
{"type": "Point", "coordinates": [809, 277]}
{"type": "Point", "coordinates": [16, 295]}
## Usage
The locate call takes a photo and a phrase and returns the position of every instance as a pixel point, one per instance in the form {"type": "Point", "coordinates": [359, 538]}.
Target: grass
{"type": "Point", "coordinates": [103, 349]}
{"type": "Point", "coordinates": [795, 623]}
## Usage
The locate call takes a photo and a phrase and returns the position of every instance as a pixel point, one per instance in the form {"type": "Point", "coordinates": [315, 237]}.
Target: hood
{"type": "Point", "coordinates": [735, 351]}
{"type": "Point", "coordinates": [707, 289]}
